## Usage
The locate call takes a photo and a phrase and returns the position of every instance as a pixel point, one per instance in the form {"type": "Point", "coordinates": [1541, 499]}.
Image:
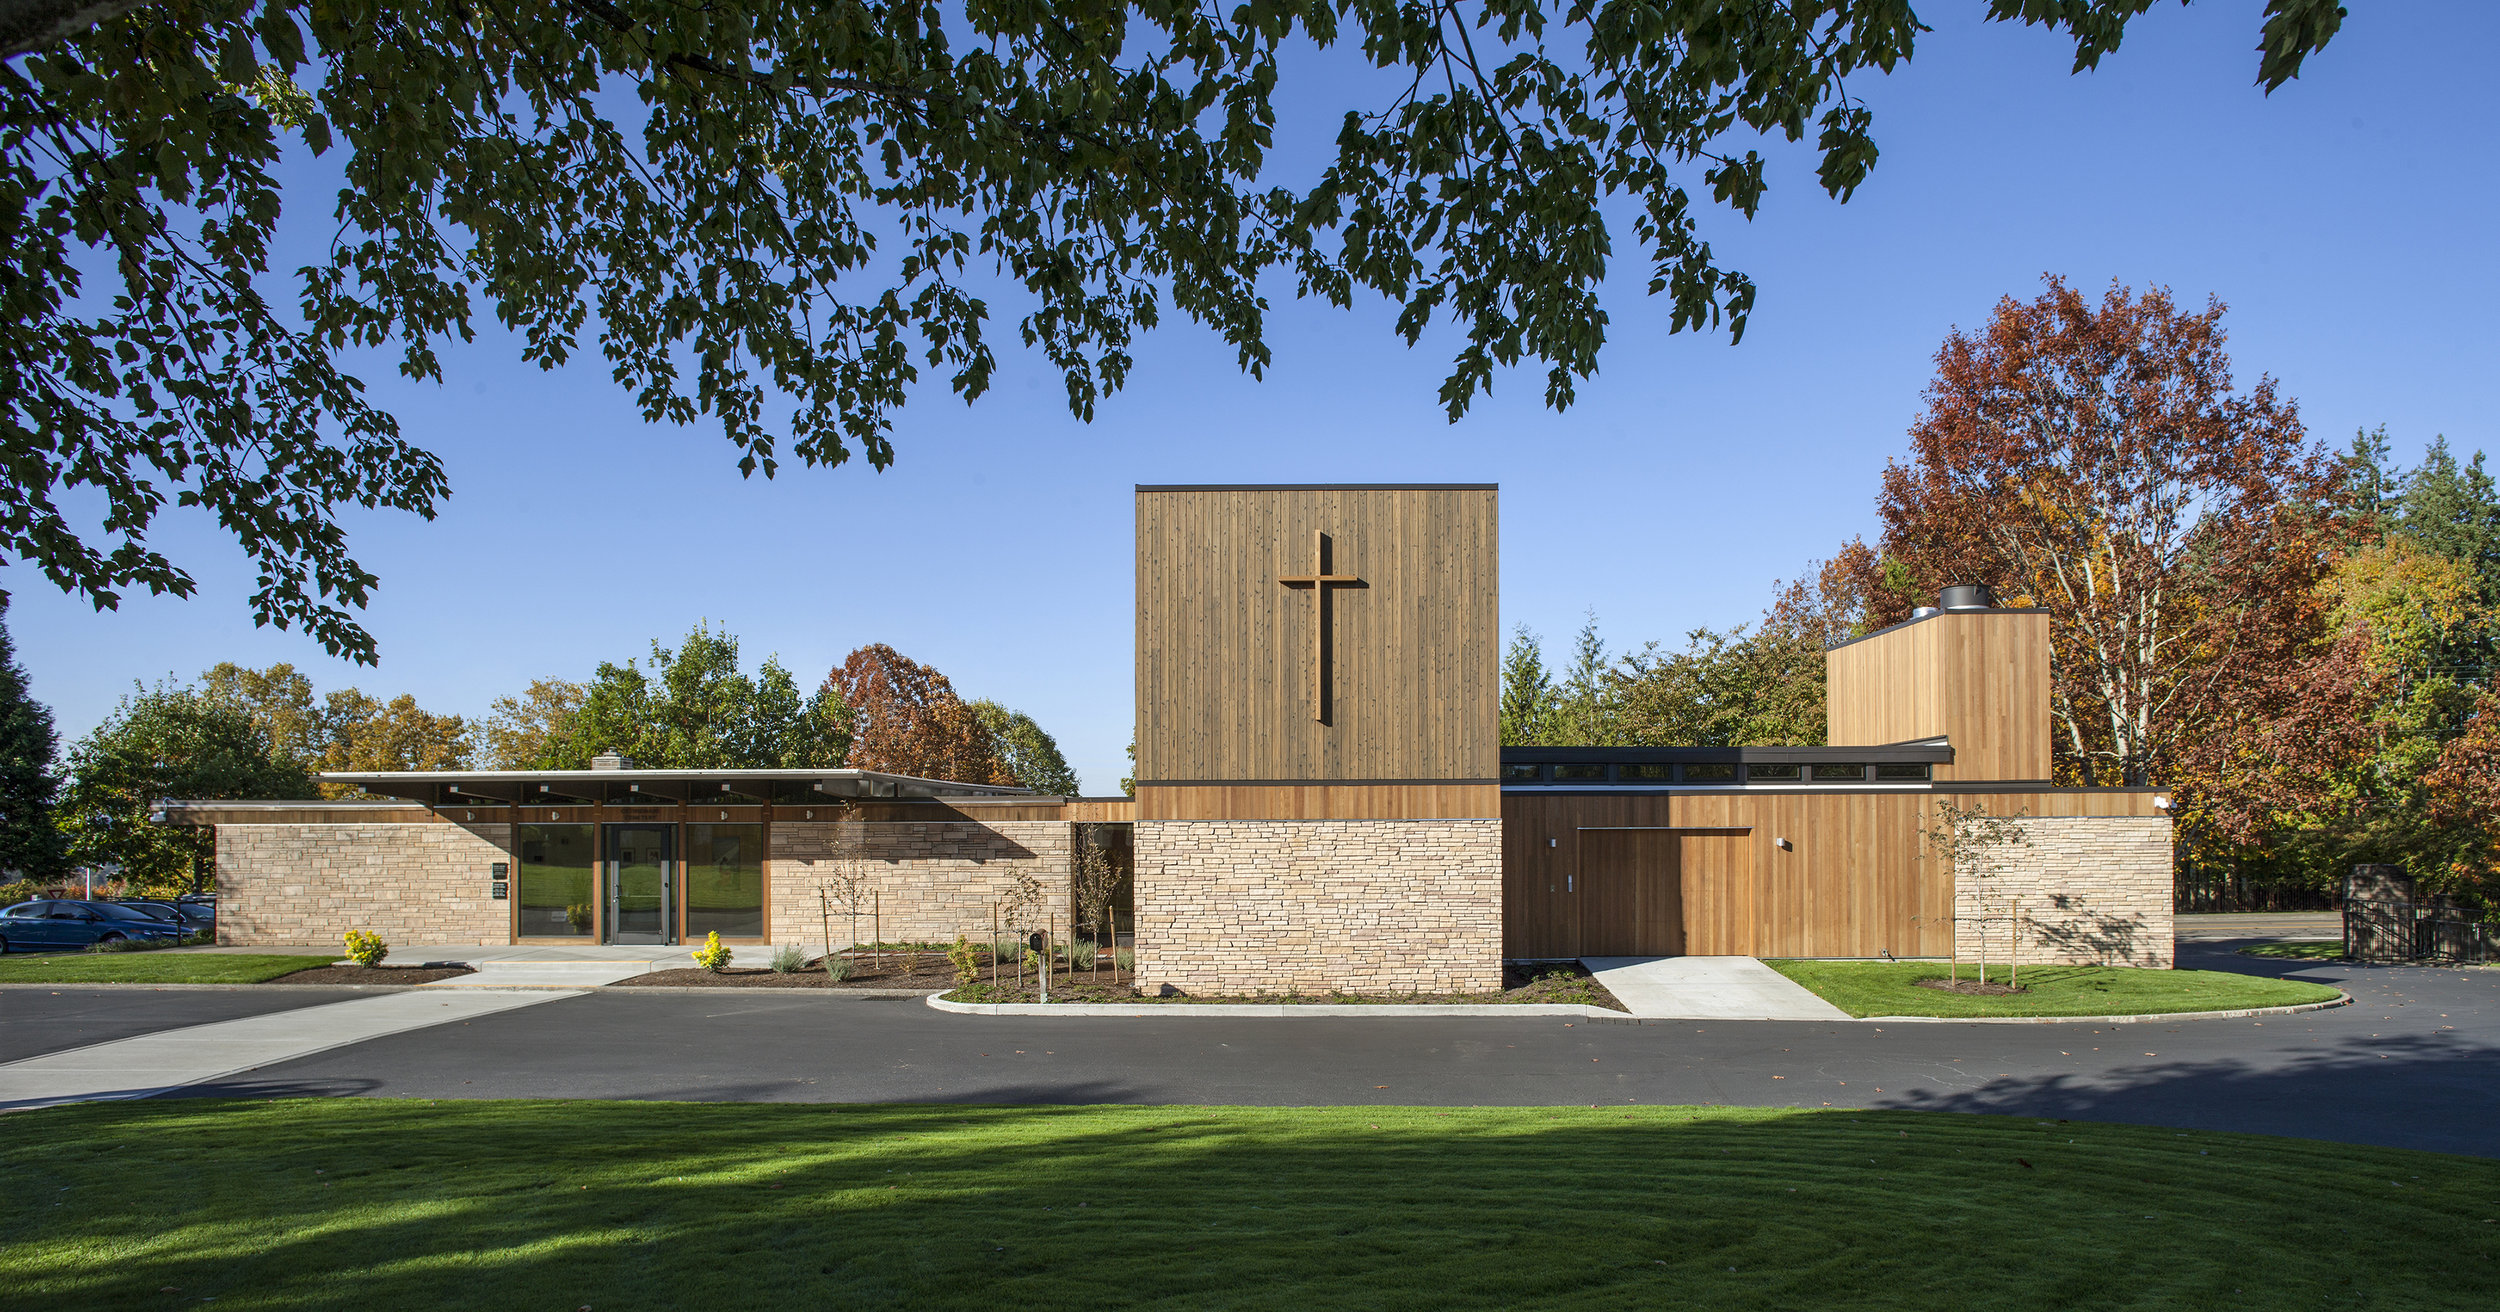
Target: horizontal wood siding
{"type": "Point", "coordinates": [1979, 678]}
{"type": "Point", "coordinates": [1225, 652]}
{"type": "Point", "coordinates": [1320, 802]}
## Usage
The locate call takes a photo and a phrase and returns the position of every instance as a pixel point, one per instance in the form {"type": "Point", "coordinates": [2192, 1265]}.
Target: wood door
{"type": "Point", "coordinates": [1631, 893]}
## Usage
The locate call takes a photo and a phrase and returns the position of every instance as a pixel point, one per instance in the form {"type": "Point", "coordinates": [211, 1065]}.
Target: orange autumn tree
{"type": "Point", "coordinates": [2096, 460]}
{"type": "Point", "coordinates": [908, 720]}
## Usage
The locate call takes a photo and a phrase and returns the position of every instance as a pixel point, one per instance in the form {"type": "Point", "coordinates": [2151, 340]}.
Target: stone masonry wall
{"type": "Point", "coordinates": [1361, 906]}
{"type": "Point", "coordinates": [2090, 890]}
{"type": "Point", "coordinates": [936, 879]}
{"type": "Point", "coordinates": [415, 885]}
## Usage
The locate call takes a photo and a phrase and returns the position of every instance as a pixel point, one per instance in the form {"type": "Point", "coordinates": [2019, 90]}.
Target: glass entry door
{"type": "Point", "coordinates": [642, 867]}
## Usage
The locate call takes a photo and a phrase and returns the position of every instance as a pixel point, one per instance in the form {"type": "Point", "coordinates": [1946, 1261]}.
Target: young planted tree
{"type": "Point", "coordinates": [1976, 849]}
{"type": "Point", "coordinates": [1096, 884]}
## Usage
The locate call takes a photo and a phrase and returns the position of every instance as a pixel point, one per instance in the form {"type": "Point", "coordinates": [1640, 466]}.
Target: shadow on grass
{"type": "Point", "coordinates": [380, 1205]}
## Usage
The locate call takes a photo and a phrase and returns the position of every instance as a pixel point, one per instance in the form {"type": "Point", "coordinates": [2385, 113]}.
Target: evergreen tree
{"type": "Point", "coordinates": [30, 846]}
{"type": "Point", "coordinates": [2453, 510]}
{"type": "Point", "coordinates": [1528, 693]}
{"type": "Point", "coordinates": [1585, 708]}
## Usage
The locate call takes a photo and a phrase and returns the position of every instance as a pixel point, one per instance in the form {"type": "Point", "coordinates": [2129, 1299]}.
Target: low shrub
{"type": "Point", "coordinates": [788, 959]}
{"type": "Point", "coordinates": [965, 959]}
{"type": "Point", "coordinates": [1081, 955]}
{"type": "Point", "coordinates": [366, 949]}
{"type": "Point", "coordinates": [713, 955]}
{"type": "Point", "coordinates": [1006, 952]}
{"type": "Point", "coordinates": [1125, 958]}
{"type": "Point", "coordinates": [838, 968]}
{"type": "Point", "coordinates": [123, 945]}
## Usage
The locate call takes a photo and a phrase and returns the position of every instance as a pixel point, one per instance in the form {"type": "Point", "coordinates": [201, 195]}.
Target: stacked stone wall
{"type": "Point", "coordinates": [2088, 890]}
{"type": "Point", "coordinates": [931, 880]}
{"type": "Point", "coordinates": [1234, 907]}
{"type": "Point", "coordinates": [414, 884]}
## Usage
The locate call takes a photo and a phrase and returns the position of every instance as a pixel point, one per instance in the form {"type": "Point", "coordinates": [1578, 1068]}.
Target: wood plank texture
{"type": "Point", "coordinates": [1631, 893]}
{"type": "Point", "coordinates": [1225, 651]}
{"type": "Point", "coordinates": [1978, 678]}
{"type": "Point", "coordinates": [1854, 880]}
{"type": "Point", "coordinates": [1319, 802]}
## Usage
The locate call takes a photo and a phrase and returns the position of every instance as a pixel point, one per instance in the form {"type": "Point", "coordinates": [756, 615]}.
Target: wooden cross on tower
{"type": "Point", "coordinates": [1319, 581]}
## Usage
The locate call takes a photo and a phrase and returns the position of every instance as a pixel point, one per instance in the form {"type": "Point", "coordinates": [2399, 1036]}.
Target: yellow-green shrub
{"type": "Point", "coordinates": [965, 960]}
{"type": "Point", "coordinates": [713, 955]}
{"type": "Point", "coordinates": [366, 949]}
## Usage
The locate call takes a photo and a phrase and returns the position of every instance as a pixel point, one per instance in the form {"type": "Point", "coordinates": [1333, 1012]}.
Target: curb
{"type": "Point", "coordinates": [2341, 999]}
{"type": "Point", "coordinates": [1276, 1010]}
{"type": "Point", "coordinates": [128, 984]}
{"type": "Point", "coordinates": [734, 990]}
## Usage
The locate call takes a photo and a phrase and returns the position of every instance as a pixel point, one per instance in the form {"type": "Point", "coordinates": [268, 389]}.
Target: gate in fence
{"type": "Point", "coordinates": [2386, 921]}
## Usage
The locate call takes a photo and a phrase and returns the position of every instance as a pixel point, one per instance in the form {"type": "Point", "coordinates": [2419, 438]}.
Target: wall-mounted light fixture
{"type": "Point", "coordinates": [2162, 803]}
{"type": "Point", "coordinates": [1782, 844]}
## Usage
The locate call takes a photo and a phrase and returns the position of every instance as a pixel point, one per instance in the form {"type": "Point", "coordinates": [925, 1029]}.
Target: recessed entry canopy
{"type": "Point", "coordinates": [440, 788]}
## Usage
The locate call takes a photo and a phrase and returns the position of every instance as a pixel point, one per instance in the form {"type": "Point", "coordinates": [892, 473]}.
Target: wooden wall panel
{"type": "Point", "coordinates": [1630, 893]}
{"type": "Point", "coordinates": [1320, 802]}
{"type": "Point", "coordinates": [1979, 678]}
{"type": "Point", "coordinates": [1854, 880]}
{"type": "Point", "coordinates": [1225, 652]}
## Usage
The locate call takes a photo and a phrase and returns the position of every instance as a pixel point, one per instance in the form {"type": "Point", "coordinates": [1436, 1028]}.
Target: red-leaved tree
{"type": "Point", "coordinates": [908, 720]}
{"type": "Point", "coordinates": [2096, 460]}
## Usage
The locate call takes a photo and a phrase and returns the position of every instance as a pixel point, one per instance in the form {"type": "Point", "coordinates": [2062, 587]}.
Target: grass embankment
{"type": "Point", "coordinates": [2331, 949]}
{"type": "Point", "coordinates": [355, 1204]}
{"type": "Point", "coordinates": [154, 967]}
{"type": "Point", "coordinates": [1880, 988]}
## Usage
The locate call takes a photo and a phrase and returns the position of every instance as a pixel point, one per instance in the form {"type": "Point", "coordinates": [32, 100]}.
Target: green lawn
{"type": "Point", "coordinates": [365, 1205]}
{"type": "Point", "coordinates": [2330, 949]}
{"type": "Point", "coordinates": [1882, 988]}
{"type": "Point", "coordinates": [170, 967]}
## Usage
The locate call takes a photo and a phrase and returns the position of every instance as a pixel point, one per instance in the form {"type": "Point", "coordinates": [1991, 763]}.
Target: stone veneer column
{"type": "Point", "coordinates": [937, 879]}
{"type": "Point", "coordinates": [1232, 907]}
{"type": "Point", "coordinates": [2093, 890]}
{"type": "Point", "coordinates": [413, 884]}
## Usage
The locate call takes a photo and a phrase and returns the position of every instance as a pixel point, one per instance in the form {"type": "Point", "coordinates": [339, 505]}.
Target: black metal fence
{"type": "Point", "coordinates": [2386, 921]}
{"type": "Point", "coordinates": [2208, 891]}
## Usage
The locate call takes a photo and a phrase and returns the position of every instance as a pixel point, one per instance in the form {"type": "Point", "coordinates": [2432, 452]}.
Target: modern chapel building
{"type": "Point", "coordinates": [1322, 801]}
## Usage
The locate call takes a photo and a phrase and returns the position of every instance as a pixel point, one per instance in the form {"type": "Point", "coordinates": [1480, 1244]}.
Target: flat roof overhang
{"type": "Point", "coordinates": [439, 788]}
{"type": "Point", "coordinates": [1933, 751]}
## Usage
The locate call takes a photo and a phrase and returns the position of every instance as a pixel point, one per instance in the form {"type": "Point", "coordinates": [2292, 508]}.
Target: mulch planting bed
{"type": "Point", "coordinates": [372, 975]}
{"type": "Point", "coordinates": [896, 970]}
{"type": "Point", "coordinates": [1969, 986]}
{"type": "Point", "coordinates": [1520, 984]}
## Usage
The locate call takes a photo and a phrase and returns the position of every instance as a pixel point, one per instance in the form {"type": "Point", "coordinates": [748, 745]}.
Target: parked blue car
{"type": "Point", "coordinates": [197, 917]}
{"type": "Point", "coordinates": [64, 926]}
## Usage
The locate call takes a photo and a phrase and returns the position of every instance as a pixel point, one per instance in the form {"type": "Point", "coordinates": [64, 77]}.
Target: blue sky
{"type": "Point", "coordinates": [2348, 221]}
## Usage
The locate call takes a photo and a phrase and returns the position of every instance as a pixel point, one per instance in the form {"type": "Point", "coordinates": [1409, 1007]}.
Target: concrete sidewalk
{"type": "Point", "coordinates": [1707, 988]}
{"type": "Point", "coordinates": [154, 1063]}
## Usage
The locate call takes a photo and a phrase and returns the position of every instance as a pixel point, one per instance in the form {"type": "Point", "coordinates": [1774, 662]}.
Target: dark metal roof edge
{"type": "Point", "coordinates": [1319, 487]}
{"type": "Point", "coordinates": [1317, 783]}
{"type": "Point", "coordinates": [1992, 610]}
{"type": "Point", "coordinates": [1844, 755]}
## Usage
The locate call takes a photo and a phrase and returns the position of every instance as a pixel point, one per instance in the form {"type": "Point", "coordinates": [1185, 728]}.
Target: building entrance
{"type": "Point", "coordinates": [642, 883]}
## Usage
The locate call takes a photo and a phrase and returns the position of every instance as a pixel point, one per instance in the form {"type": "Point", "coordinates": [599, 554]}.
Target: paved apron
{"type": "Point", "coordinates": [1708, 988]}
{"type": "Point", "coordinates": [169, 1059]}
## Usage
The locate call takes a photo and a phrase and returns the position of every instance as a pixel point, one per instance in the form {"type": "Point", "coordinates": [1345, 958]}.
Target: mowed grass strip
{"type": "Point", "coordinates": [1882, 988]}
{"type": "Point", "coordinates": [161, 967]}
{"type": "Point", "coordinates": [353, 1204]}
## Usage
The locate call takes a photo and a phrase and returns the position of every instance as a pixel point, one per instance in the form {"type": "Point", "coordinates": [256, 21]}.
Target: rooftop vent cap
{"type": "Point", "coordinates": [1923, 612]}
{"type": "Point", "coordinates": [1968, 596]}
{"type": "Point", "coordinates": [611, 761]}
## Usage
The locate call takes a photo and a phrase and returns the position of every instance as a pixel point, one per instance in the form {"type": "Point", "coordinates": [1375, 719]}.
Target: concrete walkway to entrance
{"type": "Point", "coordinates": [549, 966]}
{"type": "Point", "coordinates": [1707, 988]}
{"type": "Point", "coordinates": [149, 1064]}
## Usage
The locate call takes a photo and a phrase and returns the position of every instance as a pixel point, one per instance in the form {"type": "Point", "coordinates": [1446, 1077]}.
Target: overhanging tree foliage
{"type": "Point", "coordinates": [766, 203]}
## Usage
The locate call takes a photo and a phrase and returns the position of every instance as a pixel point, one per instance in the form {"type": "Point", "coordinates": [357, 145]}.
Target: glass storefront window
{"type": "Point", "coordinates": [724, 881]}
{"type": "Point", "coordinates": [556, 881]}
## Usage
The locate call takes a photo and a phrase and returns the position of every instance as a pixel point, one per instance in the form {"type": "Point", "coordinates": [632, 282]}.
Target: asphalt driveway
{"type": "Point", "coordinates": [2415, 1064]}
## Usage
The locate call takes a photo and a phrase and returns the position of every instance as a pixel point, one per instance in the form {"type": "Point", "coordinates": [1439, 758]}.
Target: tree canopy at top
{"type": "Point", "coordinates": [793, 205]}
